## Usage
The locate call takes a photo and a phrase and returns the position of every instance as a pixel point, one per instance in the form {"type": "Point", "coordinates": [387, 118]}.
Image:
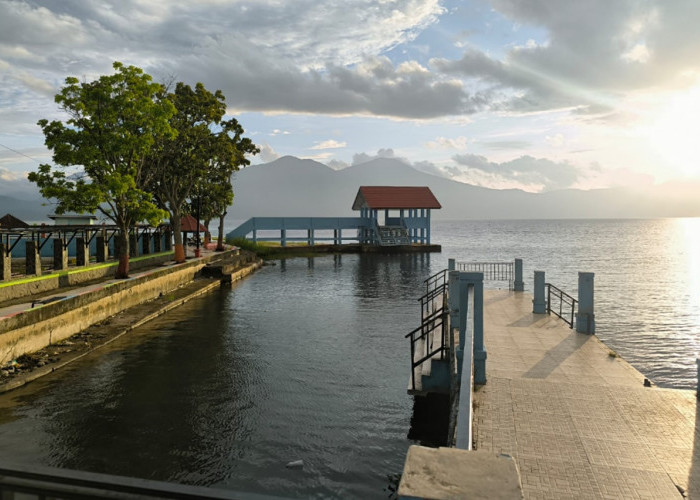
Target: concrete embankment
{"type": "Point", "coordinates": [30, 330]}
{"type": "Point", "coordinates": [54, 281]}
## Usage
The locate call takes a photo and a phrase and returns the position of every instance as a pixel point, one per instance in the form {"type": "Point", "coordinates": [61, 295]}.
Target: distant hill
{"type": "Point", "coordinates": [290, 186]}
{"type": "Point", "coordinates": [293, 187]}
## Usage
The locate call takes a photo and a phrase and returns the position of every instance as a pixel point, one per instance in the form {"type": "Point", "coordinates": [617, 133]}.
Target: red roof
{"type": "Point", "coordinates": [395, 197]}
{"type": "Point", "coordinates": [189, 225]}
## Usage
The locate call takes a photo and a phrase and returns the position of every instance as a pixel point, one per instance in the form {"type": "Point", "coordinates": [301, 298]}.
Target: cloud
{"type": "Point", "coordinates": [505, 145]}
{"type": "Point", "coordinates": [329, 144]}
{"type": "Point", "coordinates": [539, 174]}
{"type": "Point", "coordinates": [593, 51]}
{"type": "Point", "coordinates": [358, 158]}
{"type": "Point", "coordinates": [277, 132]}
{"type": "Point", "coordinates": [267, 154]}
{"type": "Point", "coordinates": [337, 164]}
{"type": "Point", "coordinates": [447, 143]}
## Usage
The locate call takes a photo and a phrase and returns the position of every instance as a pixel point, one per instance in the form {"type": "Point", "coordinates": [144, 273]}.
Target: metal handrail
{"type": "Point", "coordinates": [435, 320]}
{"type": "Point", "coordinates": [493, 271]}
{"type": "Point", "coordinates": [436, 280]}
{"type": "Point", "coordinates": [564, 299]}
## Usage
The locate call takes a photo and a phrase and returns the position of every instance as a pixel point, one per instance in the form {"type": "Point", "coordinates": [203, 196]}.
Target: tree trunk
{"type": "Point", "coordinates": [220, 243]}
{"type": "Point", "coordinates": [207, 234]}
{"type": "Point", "coordinates": [176, 224]}
{"type": "Point", "coordinates": [123, 255]}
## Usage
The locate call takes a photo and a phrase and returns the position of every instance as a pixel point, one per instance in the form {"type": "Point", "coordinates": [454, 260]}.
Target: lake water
{"type": "Point", "coordinates": [306, 360]}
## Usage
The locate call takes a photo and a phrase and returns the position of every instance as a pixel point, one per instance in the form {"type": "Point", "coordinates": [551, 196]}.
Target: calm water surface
{"type": "Point", "coordinates": [306, 360]}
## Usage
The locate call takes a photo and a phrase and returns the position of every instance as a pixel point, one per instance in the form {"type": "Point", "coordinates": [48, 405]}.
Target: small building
{"type": "Point", "coordinates": [397, 215]}
{"type": "Point", "coordinates": [9, 221]}
{"type": "Point", "coordinates": [73, 219]}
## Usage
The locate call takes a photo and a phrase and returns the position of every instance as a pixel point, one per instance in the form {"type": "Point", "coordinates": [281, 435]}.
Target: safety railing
{"type": "Point", "coordinates": [566, 309]}
{"type": "Point", "coordinates": [38, 483]}
{"type": "Point", "coordinates": [493, 271]}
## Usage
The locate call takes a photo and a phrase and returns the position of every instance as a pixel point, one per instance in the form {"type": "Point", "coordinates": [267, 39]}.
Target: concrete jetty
{"type": "Point", "coordinates": [577, 418]}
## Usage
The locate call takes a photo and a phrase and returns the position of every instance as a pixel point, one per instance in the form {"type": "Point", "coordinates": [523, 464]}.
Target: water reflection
{"type": "Point", "coordinates": [298, 362]}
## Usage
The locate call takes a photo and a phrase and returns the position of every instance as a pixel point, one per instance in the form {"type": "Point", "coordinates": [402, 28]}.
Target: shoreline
{"type": "Point", "coordinates": [32, 366]}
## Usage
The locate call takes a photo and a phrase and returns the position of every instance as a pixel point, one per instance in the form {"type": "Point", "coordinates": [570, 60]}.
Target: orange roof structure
{"type": "Point", "coordinates": [395, 197]}
{"type": "Point", "coordinates": [189, 225]}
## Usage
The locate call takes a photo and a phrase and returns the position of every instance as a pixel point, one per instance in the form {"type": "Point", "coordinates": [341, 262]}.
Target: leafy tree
{"type": "Point", "coordinates": [228, 156]}
{"type": "Point", "coordinates": [178, 163]}
{"type": "Point", "coordinates": [100, 152]}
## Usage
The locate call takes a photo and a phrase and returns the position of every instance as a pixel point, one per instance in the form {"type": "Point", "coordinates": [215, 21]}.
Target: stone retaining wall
{"type": "Point", "coordinates": [36, 328]}
{"type": "Point", "coordinates": [40, 284]}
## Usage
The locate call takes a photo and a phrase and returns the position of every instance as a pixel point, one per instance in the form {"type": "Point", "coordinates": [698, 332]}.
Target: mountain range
{"type": "Point", "coordinates": [291, 186]}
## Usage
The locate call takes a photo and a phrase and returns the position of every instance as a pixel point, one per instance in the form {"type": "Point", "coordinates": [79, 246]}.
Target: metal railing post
{"type": "Point", "coordinates": [585, 317]}
{"type": "Point", "coordinates": [538, 303]}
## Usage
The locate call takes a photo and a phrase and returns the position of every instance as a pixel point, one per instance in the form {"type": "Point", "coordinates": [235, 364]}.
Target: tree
{"type": "Point", "coordinates": [178, 163]}
{"type": "Point", "coordinates": [100, 152]}
{"type": "Point", "coordinates": [228, 156]}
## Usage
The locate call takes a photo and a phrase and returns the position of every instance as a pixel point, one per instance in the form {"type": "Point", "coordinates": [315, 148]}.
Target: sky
{"type": "Point", "coordinates": [530, 94]}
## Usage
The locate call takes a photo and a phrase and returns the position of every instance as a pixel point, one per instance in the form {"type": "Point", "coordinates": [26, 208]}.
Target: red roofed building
{"type": "Point", "coordinates": [404, 216]}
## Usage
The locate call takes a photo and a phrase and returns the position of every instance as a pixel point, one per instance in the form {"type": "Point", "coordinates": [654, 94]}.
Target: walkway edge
{"type": "Point", "coordinates": [207, 287]}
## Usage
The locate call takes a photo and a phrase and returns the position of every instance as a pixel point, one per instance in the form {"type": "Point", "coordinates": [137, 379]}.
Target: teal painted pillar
{"type": "Point", "coordinates": [451, 265]}
{"type": "Point", "coordinates": [518, 284]}
{"type": "Point", "coordinates": [585, 316]}
{"type": "Point", "coordinates": [538, 303]}
{"type": "Point", "coordinates": [283, 237]}
{"type": "Point", "coordinates": [5, 263]}
{"type": "Point", "coordinates": [479, 348]}
{"type": "Point", "coordinates": [428, 227]}
{"type": "Point", "coordinates": [255, 236]}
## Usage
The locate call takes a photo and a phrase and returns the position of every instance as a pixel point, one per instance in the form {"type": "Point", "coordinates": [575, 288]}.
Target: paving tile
{"type": "Point", "coordinates": [578, 422]}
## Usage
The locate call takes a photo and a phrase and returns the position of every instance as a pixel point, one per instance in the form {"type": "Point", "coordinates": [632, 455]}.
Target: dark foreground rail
{"type": "Point", "coordinates": [32, 482]}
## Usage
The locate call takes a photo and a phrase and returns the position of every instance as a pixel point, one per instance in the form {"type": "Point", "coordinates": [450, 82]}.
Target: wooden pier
{"type": "Point", "coordinates": [577, 418]}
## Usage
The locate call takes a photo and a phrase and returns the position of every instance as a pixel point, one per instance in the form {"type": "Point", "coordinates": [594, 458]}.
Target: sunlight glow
{"type": "Point", "coordinates": [674, 133]}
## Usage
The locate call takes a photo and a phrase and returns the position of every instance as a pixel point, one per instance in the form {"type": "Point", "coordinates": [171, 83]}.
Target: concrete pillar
{"type": "Point", "coordinates": [5, 263]}
{"type": "Point", "coordinates": [585, 317]}
{"type": "Point", "coordinates": [451, 266]}
{"type": "Point", "coordinates": [60, 255]}
{"type": "Point", "coordinates": [539, 305]}
{"type": "Point", "coordinates": [479, 349]}
{"type": "Point", "coordinates": [518, 284]}
{"type": "Point", "coordinates": [145, 243]}
{"type": "Point", "coordinates": [255, 236]}
{"type": "Point", "coordinates": [168, 240]}
{"type": "Point", "coordinates": [157, 242]}
{"type": "Point", "coordinates": [101, 249]}
{"type": "Point", "coordinates": [283, 237]}
{"type": "Point", "coordinates": [134, 244]}
{"type": "Point", "coordinates": [33, 258]}
{"type": "Point", "coordinates": [82, 252]}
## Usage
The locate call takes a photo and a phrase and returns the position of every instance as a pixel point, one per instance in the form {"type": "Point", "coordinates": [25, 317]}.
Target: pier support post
{"type": "Point", "coordinates": [168, 240]}
{"type": "Point", "coordinates": [82, 252]}
{"type": "Point", "coordinates": [60, 255]}
{"type": "Point", "coordinates": [134, 244]}
{"type": "Point", "coordinates": [518, 284]}
{"type": "Point", "coordinates": [5, 263]}
{"type": "Point", "coordinates": [101, 249]}
{"type": "Point", "coordinates": [585, 317]}
{"type": "Point", "coordinates": [451, 266]}
{"type": "Point", "coordinates": [33, 258]}
{"type": "Point", "coordinates": [539, 306]}
{"type": "Point", "coordinates": [461, 282]}
{"type": "Point", "coordinates": [283, 237]}
{"type": "Point", "coordinates": [146, 243]}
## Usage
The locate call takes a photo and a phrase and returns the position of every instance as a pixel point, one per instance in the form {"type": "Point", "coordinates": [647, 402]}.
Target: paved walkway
{"type": "Point", "coordinates": [7, 311]}
{"type": "Point", "coordinates": [578, 420]}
